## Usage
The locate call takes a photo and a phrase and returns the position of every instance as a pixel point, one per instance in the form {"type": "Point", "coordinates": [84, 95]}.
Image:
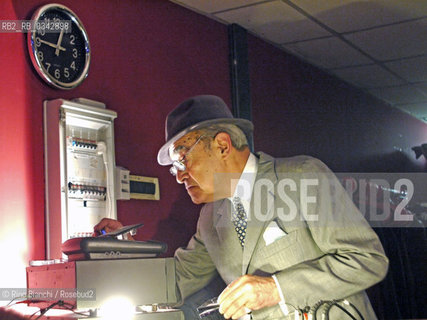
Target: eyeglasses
{"type": "Point", "coordinates": [179, 165]}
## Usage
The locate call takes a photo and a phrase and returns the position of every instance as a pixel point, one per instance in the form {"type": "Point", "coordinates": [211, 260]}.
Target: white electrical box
{"type": "Point", "coordinates": [79, 170]}
{"type": "Point", "coordinates": [122, 184]}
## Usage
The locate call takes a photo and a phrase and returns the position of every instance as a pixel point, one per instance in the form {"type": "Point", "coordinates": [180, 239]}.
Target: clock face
{"type": "Point", "coordinates": [59, 46]}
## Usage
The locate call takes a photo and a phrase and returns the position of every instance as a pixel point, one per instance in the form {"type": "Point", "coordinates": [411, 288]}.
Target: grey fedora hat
{"type": "Point", "coordinates": [196, 113]}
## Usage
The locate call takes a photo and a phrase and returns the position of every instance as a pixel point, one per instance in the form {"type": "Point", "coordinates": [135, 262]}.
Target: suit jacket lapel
{"type": "Point", "coordinates": [258, 221]}
{"type": "Point", "coordinates": [230, 251]}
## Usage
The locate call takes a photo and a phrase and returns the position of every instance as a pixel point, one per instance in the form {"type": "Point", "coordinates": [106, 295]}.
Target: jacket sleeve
{"type": "Point", "coordinates": [194, 267]}
{"type": "Point", "coordinates": [352, 256]}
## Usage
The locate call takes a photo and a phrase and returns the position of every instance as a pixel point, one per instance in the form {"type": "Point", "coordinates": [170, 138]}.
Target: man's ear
{"type": "Point", "coordinates": [223, 142]}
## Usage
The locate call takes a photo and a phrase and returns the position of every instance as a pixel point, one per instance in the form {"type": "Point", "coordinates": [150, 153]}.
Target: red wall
{"type": "Point", "coordinates": [147, 56]}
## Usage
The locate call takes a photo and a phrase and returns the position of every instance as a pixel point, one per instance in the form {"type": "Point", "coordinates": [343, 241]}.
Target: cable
{"type": "Point", "coordinates": [43, 311]}
{"type": "Point", "coordinates": [354, 308]}
{"type": "Point", "coordinates": [34, 314]}
{"type": "Point", "coordinates": [315, 308]}
{"type": "Point", "coordinates": [342, 308]}
{"type": "Point", "coordinates": [76, 312]}
{"type": "Point", "coordinates": [16, 298]}
{"type": "Point", "coordinates": [331, 303]}
{"type": "Point", "coordinates": [64, 305]}
{"type": "Point", "coordinates": [102, 150]}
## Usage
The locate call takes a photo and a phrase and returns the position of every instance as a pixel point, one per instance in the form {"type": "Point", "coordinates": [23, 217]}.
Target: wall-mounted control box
{"type": "Point", "coordinates": [79, 169]}
{"type": "Point", "coordinates": [122, 184]}
{"type": "Point", "coordinates": [144, 188]}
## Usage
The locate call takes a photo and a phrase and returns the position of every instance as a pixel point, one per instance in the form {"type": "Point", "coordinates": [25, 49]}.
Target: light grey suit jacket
{"type": "Point", "coordinates": [338, 256]}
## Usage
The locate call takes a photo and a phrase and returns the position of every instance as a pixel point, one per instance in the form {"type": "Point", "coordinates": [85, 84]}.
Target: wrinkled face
{"type": "Point", "coordinates": [200, 165]}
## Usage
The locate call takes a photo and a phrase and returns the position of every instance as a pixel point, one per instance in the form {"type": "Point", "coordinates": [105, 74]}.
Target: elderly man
{"type": "Point", "coordinates": [282, 233]}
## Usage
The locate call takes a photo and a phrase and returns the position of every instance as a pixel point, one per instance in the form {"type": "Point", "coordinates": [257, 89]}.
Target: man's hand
{"type": "Point", "coordinates": [248, 293]}
{"type": "Point", "coordinates": [108, 225]}
{"type": "Point", "coordinates": [8, 314]}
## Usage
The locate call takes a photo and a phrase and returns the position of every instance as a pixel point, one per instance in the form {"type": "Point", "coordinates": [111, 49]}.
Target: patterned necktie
{"type": "Point", "coordinates": [239, 220]}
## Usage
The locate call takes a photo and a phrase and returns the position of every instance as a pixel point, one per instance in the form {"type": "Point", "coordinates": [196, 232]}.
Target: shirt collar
{"type": "Point", "coordinates": [246, 181]}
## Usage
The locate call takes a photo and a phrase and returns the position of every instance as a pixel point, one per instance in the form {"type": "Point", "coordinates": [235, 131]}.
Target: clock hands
{"type": "Point", "coordinates": [61, 58]}
{"type": "Point", "coordinates": [52, 45]}
{"type": "Point", "coordinates": [58, 45]}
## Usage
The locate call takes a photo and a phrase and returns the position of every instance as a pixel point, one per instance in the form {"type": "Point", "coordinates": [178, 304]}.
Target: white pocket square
{"type": "Point", "coordinates": [273, 233]}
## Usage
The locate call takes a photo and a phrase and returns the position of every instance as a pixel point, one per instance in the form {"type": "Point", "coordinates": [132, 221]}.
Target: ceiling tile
{"type": "Point", "coordinates": [368, 76]}
{"type": "Point", "coordinates": [413, 70]}
{"type": "Point", "coordinates": [422, 86]}
{"type": "Point", "coordinates": [400, 95]}
{"type": "Point", "coordinates": [275, 21]}
{"type": "Point", "coordinates": [209, 6]}
{"type": "Point", "coordinates": [328, 53]}
{"type": "Point", "coordinates": [393, 42]}
{"type": "Point", "coordinates": [419, 110]}
{"type": "Point", "coordinates": [351, 15]}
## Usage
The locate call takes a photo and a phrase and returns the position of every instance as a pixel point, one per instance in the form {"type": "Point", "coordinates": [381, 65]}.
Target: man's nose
{"type": "Point", "coordinates": [181, 176]}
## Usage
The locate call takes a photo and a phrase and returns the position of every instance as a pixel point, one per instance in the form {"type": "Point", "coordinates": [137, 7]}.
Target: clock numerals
{"type": "Point", "coordinates": [57, 74]}
{"type": "Point", "coordinates": [40, 55]}
{"type": "Point", "coordinates": [61, 58]}
{"type": "Point", "coordinates": [61, 53]}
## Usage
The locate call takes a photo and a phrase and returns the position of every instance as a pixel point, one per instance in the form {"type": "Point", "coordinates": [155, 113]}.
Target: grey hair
{"type": "Point", "coordinates": [238, 138]}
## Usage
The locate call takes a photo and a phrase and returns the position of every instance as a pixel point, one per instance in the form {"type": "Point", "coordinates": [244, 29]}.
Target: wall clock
{"type": "Point", "coordinates": [59, 46]}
